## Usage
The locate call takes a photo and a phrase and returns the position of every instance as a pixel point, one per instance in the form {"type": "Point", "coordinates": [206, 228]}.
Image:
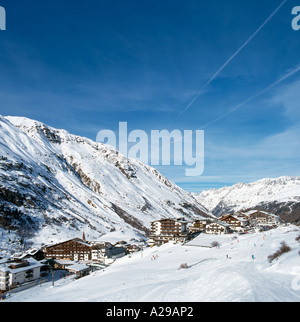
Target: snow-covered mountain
{"type": "Point", "coordinates": [280, 196]}
{"type": "Point", "coordinates": [55, 185]}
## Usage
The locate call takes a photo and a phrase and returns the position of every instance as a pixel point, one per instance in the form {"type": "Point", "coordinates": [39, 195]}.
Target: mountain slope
{"type": "Point", "coordinates": [55, 185]}
{"type": "Point", "coordinates": [209, 276]}
{"type": "Point", "coordinates": [280, 196]}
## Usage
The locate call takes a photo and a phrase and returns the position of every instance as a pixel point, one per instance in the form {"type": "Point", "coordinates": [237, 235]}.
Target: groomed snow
{"type": "Point", "coordinates": [154, 276]}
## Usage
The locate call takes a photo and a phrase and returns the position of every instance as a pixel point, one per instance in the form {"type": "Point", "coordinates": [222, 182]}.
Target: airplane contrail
{"type": "Point", "coordinates": [289, 74]}
{"type": "Point", "coordinates": [280, 80]}
{"type": "Point", "coordinates": [201, 91]}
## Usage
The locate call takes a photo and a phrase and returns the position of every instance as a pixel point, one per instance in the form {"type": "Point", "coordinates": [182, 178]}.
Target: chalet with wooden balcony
{"type": "Point", "coordinates": [74, 249]}
{"type": "Point", "coordinates": [261, 218]}
{"type": "Point", "coordinates": [236, 222]}
{"type": "Point", "coordinates": [218, 228]}
{"type": "Point", "coordinates": [199, 225]}
{"type": "Point", "coordinates": [80, 250]}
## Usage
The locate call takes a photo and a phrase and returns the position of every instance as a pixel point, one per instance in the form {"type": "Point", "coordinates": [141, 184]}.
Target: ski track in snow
{"type": "Point", "coordinates": [211, 277]}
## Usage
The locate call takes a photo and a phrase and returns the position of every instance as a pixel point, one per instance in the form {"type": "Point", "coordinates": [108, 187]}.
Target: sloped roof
{"type": "Point", "coordinates": [221, 223]}
{"type": "Point", "coordinates": [32, 264]}
{"type": "Point", "coordinates": [78, 267]}
{"type": "Point", "coordinates": [77, 240]}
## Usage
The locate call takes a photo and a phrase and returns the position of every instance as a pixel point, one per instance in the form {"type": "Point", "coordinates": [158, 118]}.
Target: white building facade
{"type": "Point", "coordinates": [14, 273]}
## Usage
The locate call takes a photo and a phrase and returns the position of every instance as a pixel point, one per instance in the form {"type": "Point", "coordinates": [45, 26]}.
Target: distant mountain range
{"type": "Point", "coordinates": [280, 196]}
{"type": "Point", "coordinates": [55, 186]}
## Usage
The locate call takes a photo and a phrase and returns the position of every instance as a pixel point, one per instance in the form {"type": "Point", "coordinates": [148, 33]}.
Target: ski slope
{"type": "Point", "coordinates": [154, 275]}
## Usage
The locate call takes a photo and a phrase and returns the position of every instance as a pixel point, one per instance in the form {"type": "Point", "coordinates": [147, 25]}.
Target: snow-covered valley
{"type": "Point", "coordinates": [227, 273]}
{"type": "Point", "coordinates": [55, 186]}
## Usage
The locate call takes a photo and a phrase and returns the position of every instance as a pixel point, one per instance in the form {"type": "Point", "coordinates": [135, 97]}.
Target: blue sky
{"type": "Point", "coordinates": [86, 66]}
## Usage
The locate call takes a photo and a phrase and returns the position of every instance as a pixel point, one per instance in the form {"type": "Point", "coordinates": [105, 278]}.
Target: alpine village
{"type": "Point", "coordinates": [79, 257]}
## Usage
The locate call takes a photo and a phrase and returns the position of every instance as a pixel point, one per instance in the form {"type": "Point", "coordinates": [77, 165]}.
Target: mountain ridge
{"type": "Point", "coordinates": [63, 184]}
{"type": "Point", "coordinates": [280, 196]}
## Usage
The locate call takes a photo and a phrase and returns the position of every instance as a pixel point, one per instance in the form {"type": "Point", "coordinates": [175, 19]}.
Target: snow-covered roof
{"type": "Point", "coordinates": [222, 223]}
{"type": "Point", "coordinates": [64, 262]}
{"type": "Point", "coordinates": [250, 212]}
{"type": "Point", "coordinates": [181, 220]}
{"type": "Point", "coordinates": [32, 264]}
{"type": "Point", "coordinates": [3, 260]}
{"type": "Point", "coordinates": [239, 217]}
{"type": "Point", "coordinates": [32, 251]}
{"type": "Point", "coordinates": [78, 267]}
{"type": "Point", "coordinates": [77, 240]}
{"type": "Point", "coordinates": [29, 252]}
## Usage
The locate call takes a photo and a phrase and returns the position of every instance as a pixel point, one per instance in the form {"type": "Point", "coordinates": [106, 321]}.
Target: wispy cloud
{"type": "Point", "coordinates": [289, 98]}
